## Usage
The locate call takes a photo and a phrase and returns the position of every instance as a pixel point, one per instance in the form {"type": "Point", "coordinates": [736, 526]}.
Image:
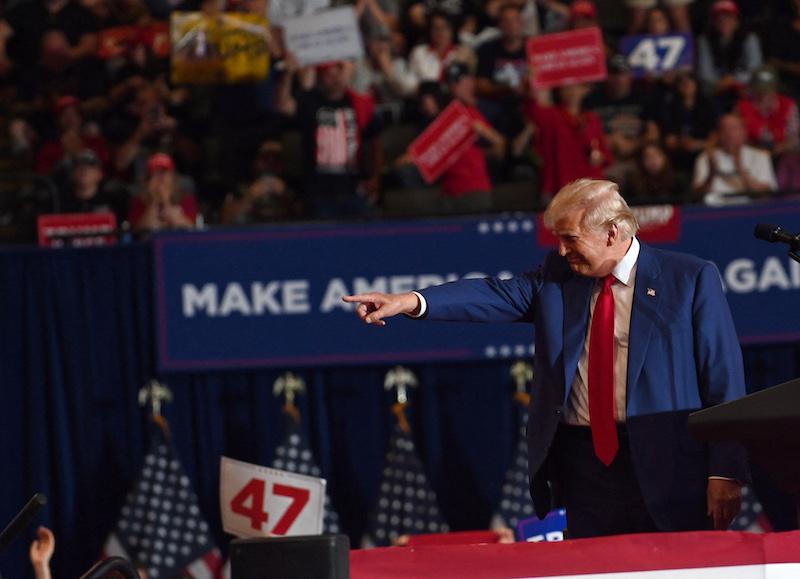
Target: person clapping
{"type": "Point", "coordinates": [162, 204]}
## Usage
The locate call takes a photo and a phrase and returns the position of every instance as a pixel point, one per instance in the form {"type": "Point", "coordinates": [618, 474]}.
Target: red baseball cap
{"type": "Point", "coordinates": [724, 7]}
{"type": "Point", "coordinates": [64, 102]}
{"type": "Point", "coordinates": [323, 66]}
{"type": "Point", "coordinates": [583, 9]}
{"type": "Point", "coordinates": [160, 162]}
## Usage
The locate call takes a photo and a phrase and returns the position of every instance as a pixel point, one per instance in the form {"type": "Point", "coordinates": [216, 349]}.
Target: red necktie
{"type": "Point", "coordinates": [601, 376]}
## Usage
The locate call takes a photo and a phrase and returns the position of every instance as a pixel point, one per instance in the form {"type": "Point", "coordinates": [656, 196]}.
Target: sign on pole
{"type": "Point", "coordinates": [257, 501]}
{"type": "Point", "coordinates": [566, 58]}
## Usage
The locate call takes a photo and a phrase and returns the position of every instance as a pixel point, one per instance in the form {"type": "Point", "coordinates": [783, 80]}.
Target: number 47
{"type": "Point", "coordinates": [254, 492]}
{"type": "Point", "coordinates": [646, 54]}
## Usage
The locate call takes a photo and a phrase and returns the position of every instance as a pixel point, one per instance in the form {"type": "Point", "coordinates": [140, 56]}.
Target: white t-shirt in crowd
{"type": "Point", "coordinates": [727, 185]}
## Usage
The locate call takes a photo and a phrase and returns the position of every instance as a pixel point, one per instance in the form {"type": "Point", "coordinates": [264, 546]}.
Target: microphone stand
{"type": "Point", "coordinates": [22, 520]}
{"type": "Point", "coordinates": [107, 566]}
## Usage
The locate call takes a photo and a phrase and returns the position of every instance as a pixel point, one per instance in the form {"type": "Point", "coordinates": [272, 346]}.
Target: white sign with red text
{"type": "Point", "coordinates": [257, 501]}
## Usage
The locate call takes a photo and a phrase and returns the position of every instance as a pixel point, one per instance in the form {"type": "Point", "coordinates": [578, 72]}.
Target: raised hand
{"type": "Point", "coordinates": [42, 551]}
{"type": "Point", "coordinates": [375, 306]}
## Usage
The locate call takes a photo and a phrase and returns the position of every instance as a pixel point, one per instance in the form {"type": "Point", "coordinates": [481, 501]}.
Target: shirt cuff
{"type": "Point", "coordinates": [714, 477]}
{"type": "Point", "coordinates": [423, 306]}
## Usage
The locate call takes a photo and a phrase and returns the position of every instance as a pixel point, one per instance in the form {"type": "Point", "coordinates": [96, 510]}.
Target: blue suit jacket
{"type": "Point", "coordinates": [683, 355]}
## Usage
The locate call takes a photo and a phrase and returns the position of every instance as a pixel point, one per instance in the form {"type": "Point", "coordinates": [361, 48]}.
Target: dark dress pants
{"type": "Point", "coordinates": [600, 500]}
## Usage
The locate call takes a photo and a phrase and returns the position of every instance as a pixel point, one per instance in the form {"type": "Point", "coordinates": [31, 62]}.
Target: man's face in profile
{"type": "Point", "coordinates": [587, 251]}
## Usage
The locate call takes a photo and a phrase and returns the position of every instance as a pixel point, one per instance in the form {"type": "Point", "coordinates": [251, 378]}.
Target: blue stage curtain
{"type": "Point", "coordinates": [78, 344]}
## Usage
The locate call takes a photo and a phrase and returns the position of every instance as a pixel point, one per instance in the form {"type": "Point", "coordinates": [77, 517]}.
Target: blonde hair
{"type": "Point", "coordinates": [601, 202]}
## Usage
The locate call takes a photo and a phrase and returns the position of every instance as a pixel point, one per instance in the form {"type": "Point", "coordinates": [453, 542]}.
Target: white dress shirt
{"type": "Point", "coordinates": [577, 408]}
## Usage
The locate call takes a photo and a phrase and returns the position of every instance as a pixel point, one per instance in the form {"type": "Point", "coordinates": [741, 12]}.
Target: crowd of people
{"type": "Point", "coordinates": [330, 141]}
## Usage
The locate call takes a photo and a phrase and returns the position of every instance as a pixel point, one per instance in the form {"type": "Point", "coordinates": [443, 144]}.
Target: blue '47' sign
{"type": "Point", "coordinates": [648, 55]}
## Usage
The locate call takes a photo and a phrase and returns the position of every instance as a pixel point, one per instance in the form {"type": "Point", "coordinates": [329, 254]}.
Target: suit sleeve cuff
{"type": "Point", "coordinates": [423, 306]}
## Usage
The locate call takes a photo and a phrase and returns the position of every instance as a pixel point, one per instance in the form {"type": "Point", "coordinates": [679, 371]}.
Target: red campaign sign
{"type": "Point", "coordinates": [443, 142]}
{"type": "Point", "coordinates": [119, 41]}
{"type": "Point", "coordinates": [657, 224]}
{"type": "Point", "coordinates": [77, 229]}
{"type": "Point", "coordinates": [566, 58]}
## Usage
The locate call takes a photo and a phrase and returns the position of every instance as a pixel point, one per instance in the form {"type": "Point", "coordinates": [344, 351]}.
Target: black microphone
{"type": "Point", "coordinates": [776, 234]}
{"type": "Point", "coordinates": [22, 520]}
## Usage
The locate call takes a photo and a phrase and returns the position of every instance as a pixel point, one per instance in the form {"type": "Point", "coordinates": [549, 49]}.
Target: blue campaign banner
{"type": "Point", "coordinates": [649, 55]}
{"type": "Point", "coordinates": [272, 297]}
{"type": "Point", "coordinates": [549, 529]}
{"type": "Point", "coordinates": [762, 282]}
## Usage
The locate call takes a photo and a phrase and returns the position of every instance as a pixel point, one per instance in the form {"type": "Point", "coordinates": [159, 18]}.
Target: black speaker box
{"type": "Point", "coordinates": [307, 557]}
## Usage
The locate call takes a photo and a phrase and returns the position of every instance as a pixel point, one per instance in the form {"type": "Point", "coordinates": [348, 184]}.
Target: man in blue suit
{"type": "Point", "coordinates": [629, 340]}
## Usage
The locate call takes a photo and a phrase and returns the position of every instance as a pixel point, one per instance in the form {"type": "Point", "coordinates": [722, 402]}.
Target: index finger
{"type": "Point", "coordinates": [370, 297]}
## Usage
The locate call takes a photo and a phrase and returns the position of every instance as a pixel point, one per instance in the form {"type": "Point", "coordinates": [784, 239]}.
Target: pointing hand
{"type": "Point", "coordinates": [375, 306]}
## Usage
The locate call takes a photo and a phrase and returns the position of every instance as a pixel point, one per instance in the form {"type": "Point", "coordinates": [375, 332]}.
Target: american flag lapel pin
{"type": "Point", "coordinates": [651, 292]}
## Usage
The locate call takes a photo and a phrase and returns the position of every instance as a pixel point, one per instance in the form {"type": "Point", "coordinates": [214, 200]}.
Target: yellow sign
{"type": "Point", "coordinates": [226, 49]}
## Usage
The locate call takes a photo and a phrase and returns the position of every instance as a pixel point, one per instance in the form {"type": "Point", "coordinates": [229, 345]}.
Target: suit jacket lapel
{"type": "Point", "coordinates": [644, 312]}
{"type": "Point", "coordinates": [577, 299]}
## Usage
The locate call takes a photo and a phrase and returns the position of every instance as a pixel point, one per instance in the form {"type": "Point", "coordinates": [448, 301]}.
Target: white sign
{"type": "Point", "coordinates": [278, 11]}
{"type": "Point", "coordinates": [257, 501]}
{"type": "Point", "coordinates": [326, 36]}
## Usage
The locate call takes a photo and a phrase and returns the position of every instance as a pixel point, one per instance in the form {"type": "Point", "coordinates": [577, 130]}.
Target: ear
{"type": "Point", "coordinates": [612, 235]}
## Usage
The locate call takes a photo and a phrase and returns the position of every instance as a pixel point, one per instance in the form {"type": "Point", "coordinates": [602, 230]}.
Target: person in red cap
{"type": "Point", "coordinates": [727, 54]}
{"type": "Point", "coordinates": [162, 204]}
{"type": "Point", "coordinates": [583, 14]}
